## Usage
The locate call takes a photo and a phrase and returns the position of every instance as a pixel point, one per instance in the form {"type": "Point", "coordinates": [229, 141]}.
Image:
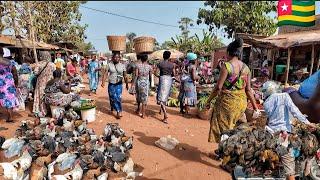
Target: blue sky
{"type": "Point", "coordinates": [101, 25]}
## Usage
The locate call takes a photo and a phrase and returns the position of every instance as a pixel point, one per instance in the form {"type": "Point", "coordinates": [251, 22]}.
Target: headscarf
{"type": "Point", "coordinates": [191, 56]}
{"type": "Point", "coordinates": [45, 56]}
{"type": "Point", "coordinates": [25, 69]}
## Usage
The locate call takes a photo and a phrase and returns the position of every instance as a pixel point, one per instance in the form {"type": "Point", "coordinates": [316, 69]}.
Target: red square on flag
{"type": "Point", "coordinates": [284, 7]}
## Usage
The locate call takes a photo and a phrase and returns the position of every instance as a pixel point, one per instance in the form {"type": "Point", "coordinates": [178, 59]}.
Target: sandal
{"type": "Point", "coordinates": [9, 121]}
{"type": "Point", "coordinates": [165, 120]}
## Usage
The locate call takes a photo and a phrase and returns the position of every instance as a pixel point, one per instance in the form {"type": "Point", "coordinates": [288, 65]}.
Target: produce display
{"type": "Point", "coordinates": [84, 104]}
{"type": "Point", "coordinates": [173, 102]}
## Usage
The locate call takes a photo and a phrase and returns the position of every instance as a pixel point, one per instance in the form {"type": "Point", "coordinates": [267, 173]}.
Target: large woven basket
{"type": "Point", "coordinates": [117, 43]}
{"type": "Point", "coordinates": [204, 114]}
{"type": "Point", "coordinates": [144, 44]}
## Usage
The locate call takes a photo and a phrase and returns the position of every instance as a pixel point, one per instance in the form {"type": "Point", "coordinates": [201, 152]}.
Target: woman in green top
{"type": "Point", "coordinates": [232, 90]}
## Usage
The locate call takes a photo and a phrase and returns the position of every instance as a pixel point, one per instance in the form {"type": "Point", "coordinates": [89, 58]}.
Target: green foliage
{"type": "Point", "coordinates": [53, 21]}
{"type": "Point", "coordinates": [202, 102]}
{"type": "Point", "coordinates": [84, 47]}
{"type": "Point", "coordinates": [201, 46]}
{"type": "Point", "coordinates": [207, 44]}
{"type": "Point", "coordinates": [239, 17]}
{"type": "Point", "coordinates": [184, 25]}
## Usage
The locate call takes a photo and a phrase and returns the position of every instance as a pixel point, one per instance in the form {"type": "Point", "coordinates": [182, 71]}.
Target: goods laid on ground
{"type": "Point", "coordinates": [167, 143]}
{"type": "Point", "coordinates": [144, 44]}
{"type": "Point", "coordinates": [173, 102]}
{"type": "Point", "coordinates": [66, 149]}
{"type": "Point", "coordinates": [117, 43]}
{"type": "Point", "coordinates": [254, 152]}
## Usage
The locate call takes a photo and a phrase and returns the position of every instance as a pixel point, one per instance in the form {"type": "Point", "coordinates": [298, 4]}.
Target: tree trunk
{"type": "Point", "coordinates": [32, 33]}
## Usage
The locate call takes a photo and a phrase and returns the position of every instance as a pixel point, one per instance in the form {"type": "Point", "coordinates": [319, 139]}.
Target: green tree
{"type": "Point", "coordinates": [53, 21]}
{"type": "Point", "coordinates": [184, 25]}
{"type": "Point", "coordinates": [84, 47]}
{"type": "Point", "coordinates": [207, 44]}
{"type": "Point", "coordinates": [129, 45]}
{"type": "Point", "coordinates": [167, 45]}
{"type": "Point", "coordinates": [252, 17]}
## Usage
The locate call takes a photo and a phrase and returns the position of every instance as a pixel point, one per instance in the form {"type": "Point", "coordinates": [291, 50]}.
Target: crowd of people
{"type": "Point", "coordinates": [49, 82]}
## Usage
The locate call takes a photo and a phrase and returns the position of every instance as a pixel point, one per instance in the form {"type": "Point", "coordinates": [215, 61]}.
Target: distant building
{"type": "Point", "coordinates": [291, 29]}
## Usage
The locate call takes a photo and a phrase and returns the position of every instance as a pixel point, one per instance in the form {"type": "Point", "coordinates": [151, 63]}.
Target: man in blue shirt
{"type": "Point", "coordinates": [307, 98]}
{"type": "Point", "coordinates": [279, 108]}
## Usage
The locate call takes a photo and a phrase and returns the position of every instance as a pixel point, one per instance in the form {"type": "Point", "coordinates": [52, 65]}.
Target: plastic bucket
{"type": "Point", "coordinates": [88, 115]}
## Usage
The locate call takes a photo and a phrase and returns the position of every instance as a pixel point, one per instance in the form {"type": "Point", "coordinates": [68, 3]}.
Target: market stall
{"type": "Point", "coordinates": [294, 47]}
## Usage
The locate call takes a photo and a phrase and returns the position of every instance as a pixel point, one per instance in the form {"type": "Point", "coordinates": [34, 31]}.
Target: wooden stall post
{"type": "Point", "coordinates": [288, 66]}
{"type": "Point", "coordinates": [312, 59]}
{"type": "Point", "coordinates": [273, 57]}
{"type": "Point", "coordinates": [32, 33]}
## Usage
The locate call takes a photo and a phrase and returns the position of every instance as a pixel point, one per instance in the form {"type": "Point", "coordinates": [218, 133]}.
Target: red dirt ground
{"type": "Point", "coordinates": [188, 161]}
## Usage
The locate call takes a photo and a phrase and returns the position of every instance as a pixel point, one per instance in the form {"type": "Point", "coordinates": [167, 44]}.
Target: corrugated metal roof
{"type": "Point", "coordinates": [289, 39]}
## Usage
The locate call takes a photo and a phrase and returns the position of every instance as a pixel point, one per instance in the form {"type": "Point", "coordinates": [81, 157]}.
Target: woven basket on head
{"type": "Point", "coordinates": [144, 44]}
{"type": "Point", "coordinates": [117, 43]}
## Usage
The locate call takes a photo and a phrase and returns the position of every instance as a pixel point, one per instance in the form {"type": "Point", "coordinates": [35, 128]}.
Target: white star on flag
{"type": "Point", "coordinates": [284, 7]}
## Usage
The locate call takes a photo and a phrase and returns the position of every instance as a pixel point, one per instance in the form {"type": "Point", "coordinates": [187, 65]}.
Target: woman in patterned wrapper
{"type": "Point", "coordinates": [8, 80]}
{"type": "Point", "coordinates": [143, 72]}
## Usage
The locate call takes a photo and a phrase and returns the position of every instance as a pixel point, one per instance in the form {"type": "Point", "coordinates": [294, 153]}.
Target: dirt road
{"type": "Point", "coordinates": [188, 161]}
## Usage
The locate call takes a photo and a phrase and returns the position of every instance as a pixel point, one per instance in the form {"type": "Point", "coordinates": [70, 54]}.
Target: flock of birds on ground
{"type": "Point", "coordinates": [66, 149]}
{"type": "Point", "coordinates": [258, 152]}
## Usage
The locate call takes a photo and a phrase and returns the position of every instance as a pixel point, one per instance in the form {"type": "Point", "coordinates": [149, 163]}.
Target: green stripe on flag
{"type": "Point", "coordinates": [303, 3]}
{"type": "Point", "coordinates": [296, 23]}
{"type": "Point", "coordinates": [299, 13]}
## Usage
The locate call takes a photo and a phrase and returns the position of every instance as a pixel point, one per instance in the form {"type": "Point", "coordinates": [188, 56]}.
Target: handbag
{"type": "Point", "coordinates": [35, 77]}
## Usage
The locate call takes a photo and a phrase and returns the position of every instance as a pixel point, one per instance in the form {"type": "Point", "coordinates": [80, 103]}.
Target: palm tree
{"type": "Point", "coordinates": [129, 45]}
{"type": "Point", "coordinates": [185, 23]}
{"type": "Point", "coordinates": [207, 44]}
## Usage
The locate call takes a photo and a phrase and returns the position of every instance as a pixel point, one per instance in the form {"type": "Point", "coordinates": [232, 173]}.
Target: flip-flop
{"type": "Point", "coordinates": [9, 121]}
{"type": "Point", "coordinates": [165, 120]}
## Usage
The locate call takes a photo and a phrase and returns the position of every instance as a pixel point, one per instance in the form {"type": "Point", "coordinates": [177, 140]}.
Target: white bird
{"type": "Point", "coordinates": [115, 141]}
{"type": "Point", "coordinates": [8, 143]}
{"type": "Point", "coordinates": [8, 171]}
{"type": "Point", "coordinates": [62, 157]}
{"type": "Point", "coordinates": [59, 177]}
{"type": "Point", "coordinates": [68, 125]}
{"type": "Point", "coordinates": [133, 175]}
{"type": "Point", "coordinates": [75, 174]}
{"type": "Point", "coordinates": [24, 161]}
{"type": "Point", "coordinates": [51, 169]}
{"type": "Point", "coordinates": [103, 176]}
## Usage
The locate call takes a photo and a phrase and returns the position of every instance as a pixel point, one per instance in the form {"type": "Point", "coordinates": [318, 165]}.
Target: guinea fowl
{"type": "Point", "coordinates": [70, 145]}
{"type": "Point", "coordinates": [8, 171]}
{"type": "Point", "coordinates": [12, 147]}
{"type": "Point", "coordinates": [23, 162]}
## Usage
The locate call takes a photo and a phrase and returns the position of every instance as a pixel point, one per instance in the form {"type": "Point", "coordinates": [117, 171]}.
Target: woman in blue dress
{"type": "Point", "coordinates": [93, 73]}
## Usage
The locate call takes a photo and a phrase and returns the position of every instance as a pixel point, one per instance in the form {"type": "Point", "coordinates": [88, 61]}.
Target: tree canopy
{"type": "Point", "coordinates": [184, 25]}
{"type": "Point", "coordinates": [206, 44]}
{"type": "Point", "coordinates": [252, 17]}
{"type": "Point", "coordinates": [53, 21]}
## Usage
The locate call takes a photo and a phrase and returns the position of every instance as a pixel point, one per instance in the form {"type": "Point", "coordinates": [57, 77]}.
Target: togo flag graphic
{"type": "Point", "coordinates": [296, 13]}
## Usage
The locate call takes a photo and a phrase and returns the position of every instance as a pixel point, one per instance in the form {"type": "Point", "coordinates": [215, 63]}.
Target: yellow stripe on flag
{"type": "Point", "coordinates": [296, 18]}
{"type": "Point", "coordinates": [303, 8]}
